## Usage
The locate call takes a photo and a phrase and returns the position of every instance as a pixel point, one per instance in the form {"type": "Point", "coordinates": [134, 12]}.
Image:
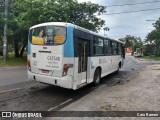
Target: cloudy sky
{"type": "Point", "coordinates": [130, 23]}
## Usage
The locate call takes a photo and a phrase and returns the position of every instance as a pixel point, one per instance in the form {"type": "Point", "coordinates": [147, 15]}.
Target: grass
{"type": "Point", "coordinates": [151, 58]}
{"type": "Point", "coordinates": [12, 61]}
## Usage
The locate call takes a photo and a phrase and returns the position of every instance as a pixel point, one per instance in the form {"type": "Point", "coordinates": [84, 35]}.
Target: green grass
{"type": "Point", "coordinates": [151, 58]}
{"type": "Point", "coordinates": [12, 61]}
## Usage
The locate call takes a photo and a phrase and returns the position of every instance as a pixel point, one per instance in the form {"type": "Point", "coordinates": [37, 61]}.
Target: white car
{"type": "Point", "coordinates": [135, 54]}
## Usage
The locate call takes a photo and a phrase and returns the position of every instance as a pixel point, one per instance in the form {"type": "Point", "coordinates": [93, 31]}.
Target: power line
{"type": "Point", "coordinates": [132, 11]}
{"type": "Point", "coordinates": [132, 4]}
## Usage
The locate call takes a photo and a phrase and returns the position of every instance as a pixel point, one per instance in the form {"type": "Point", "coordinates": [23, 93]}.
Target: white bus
{"type": "Point", "coordinates": [70, 56]}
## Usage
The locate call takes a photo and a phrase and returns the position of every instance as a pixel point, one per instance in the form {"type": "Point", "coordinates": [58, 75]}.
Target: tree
{"type": "Point", "coordinates": [31, 12]}
{"type": "Point", "coordinates": [82, 14]}
{"type": "Point", "coordinates": [132, 41]}
{"type": "Point", "coordinates": [153, 38]}
{"type": "Point", "coordinates": [1, 26]}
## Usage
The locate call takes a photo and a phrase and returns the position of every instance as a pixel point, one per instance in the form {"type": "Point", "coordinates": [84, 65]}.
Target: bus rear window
{"type": "Point", "coordinates": [48, 35]}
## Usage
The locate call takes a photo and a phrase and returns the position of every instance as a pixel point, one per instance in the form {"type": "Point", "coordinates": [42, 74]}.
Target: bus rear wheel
{"type": "Point", "coordinates": [97, 77]}
{"type": "Point", "coordinates": [117, 71]}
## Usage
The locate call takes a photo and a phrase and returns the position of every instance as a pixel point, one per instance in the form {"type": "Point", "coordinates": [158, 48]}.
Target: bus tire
{"type": "Point", "coordinates": [117, 71]}
{"type": "Point", "coordinates": [97, 77]}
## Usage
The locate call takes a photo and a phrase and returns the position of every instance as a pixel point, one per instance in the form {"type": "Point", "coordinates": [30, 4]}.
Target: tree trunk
{"type": "Point", "coordinates": [156, 47]}
{"type": "Point", "coordinates": [22, 50]}
{"type": "Point", "coordinates": [16, 48]}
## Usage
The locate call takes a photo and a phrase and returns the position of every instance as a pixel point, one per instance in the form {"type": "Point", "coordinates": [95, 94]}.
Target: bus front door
{"type": "Point", "coordinates": [83, 50]}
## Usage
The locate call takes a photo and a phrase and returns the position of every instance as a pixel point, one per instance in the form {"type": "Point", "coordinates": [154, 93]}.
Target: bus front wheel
{"type": "Point", "coordinates": [97, 77]}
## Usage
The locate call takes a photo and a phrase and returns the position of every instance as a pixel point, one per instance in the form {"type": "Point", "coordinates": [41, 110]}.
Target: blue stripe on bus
{"type": "Point", "coordinates": [29, 47]}
{"type": "Point", "coordinates": [68, 45]}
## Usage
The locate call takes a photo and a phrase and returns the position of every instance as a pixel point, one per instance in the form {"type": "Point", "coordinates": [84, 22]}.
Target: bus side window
{"type": "Point", "coordinates": [98, 46]}
{"type": "Point", "coordinates": [123, 51]}
{"type": "Point", "coordinates": [111, 48]}
{"type": "Point", "coordinates": [107, 49]}
{"type": "Point", "coordinates": [119, 49]}
{"type": "Point", "coordinates": [114, 48]}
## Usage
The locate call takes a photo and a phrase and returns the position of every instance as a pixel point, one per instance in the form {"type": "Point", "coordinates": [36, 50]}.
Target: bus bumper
{"type": "Point", "coordinates": [65, 82]}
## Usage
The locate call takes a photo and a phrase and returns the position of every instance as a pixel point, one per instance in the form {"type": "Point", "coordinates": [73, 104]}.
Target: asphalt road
{"type": "Point", "coordinates": [51, 98]}
{"type": "Point", "coordinates": [12, 75]}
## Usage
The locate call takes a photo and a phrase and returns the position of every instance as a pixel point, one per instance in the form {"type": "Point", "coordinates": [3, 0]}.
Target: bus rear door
{"type": "Point", "coordinates": [83, 51]}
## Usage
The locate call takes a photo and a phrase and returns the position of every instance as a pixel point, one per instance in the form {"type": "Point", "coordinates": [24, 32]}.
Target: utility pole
{"type": "Point", "coordinates": [5, 43]}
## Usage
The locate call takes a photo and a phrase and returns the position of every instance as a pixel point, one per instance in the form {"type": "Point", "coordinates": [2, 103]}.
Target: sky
{"type": "Point", "coordinates": [134, 24]}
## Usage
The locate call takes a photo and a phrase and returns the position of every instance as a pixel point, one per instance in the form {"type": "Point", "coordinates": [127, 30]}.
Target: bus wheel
{"type": "Point", "coordinates": [97, 77]}
{"type": "Point", "coordinates": [117, 71]}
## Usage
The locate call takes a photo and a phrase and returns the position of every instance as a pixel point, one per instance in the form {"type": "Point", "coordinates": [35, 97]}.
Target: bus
{"type": "Point", "coordinates": [69, 56]}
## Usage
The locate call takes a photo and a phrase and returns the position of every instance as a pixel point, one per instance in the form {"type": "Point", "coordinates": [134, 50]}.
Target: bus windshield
{"type": "Point", "coordinates": [48, 35]}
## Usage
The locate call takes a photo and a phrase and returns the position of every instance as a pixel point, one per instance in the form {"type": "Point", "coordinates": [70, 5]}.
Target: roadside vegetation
{"type": "Point", "coordinates": [13, 61]}
{"type": "Point", "coordinates": [151, 57]}
{"type": "Point", "coordinates": [149, 47]}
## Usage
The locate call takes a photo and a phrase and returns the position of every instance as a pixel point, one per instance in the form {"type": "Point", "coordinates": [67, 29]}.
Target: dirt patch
{"type": "Point", "coordinates": [108, 107]}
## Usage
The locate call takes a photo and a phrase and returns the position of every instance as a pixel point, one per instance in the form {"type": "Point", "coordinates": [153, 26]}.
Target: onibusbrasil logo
{"type": "Point", "coordinates": [20, 114]}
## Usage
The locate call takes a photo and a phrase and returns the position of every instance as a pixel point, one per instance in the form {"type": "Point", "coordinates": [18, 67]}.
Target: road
{"type": "Point", "coordinates": [125, 91]}
{"type": "Point", "coordinates": [12, 75]}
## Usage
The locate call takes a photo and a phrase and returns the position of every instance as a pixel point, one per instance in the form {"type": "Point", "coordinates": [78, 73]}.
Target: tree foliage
{"type": "Point", "coordinates": [25, 14]}
{"type": "Point", "coordinates": [153, 38]}
{"type": "Point", "coordinates": [132, 41]}
{"type": "Point", "coordinates": [31, 12]}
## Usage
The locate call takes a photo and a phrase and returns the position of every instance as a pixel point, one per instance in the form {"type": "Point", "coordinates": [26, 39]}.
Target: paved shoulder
{"type": "Point", "coordinates": [13, 75]}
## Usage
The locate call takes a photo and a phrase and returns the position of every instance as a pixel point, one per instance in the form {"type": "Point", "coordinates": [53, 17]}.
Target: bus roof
{"type": "Point", "coordinates": [51, 23]}
{"type": "Point", "coordinates": [91, 32]}
{"type": "Point", "coordinates": [65, 24]}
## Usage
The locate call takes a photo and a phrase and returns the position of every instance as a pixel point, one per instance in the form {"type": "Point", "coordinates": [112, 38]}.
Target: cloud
{"type": "Point", "coordinates": [130, 23]}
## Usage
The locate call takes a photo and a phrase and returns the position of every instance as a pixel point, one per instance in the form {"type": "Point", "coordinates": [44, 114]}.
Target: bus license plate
{"type": "Point", "coordinates": [45, 71]}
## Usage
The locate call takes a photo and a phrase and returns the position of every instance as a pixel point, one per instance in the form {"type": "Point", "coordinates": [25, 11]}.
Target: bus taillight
{"type": "Point", "coordinates": [65, 69]}
{"type": "Point", "coordinates": [29, 65]}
